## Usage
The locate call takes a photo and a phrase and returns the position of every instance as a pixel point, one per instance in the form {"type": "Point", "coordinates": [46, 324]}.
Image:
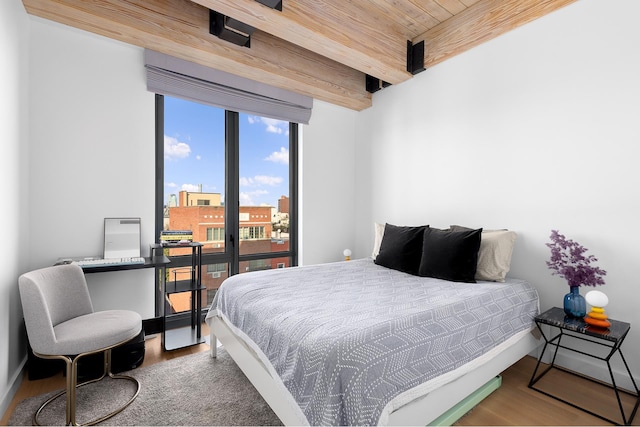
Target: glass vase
{"type": "Point", "coordinates": [574, 303]}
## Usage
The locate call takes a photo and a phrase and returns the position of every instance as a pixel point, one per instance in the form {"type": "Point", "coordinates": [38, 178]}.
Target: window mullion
{"type": "Point", "coordinates": [159, 217]}
{"type": "Point", "coordinates": [232, 193]}
{"type": "Point", "coordinates": [293, 192]}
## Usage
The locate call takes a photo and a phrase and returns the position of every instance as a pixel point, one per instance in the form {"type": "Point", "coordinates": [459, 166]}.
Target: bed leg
{"type": "Point", "coordinates": [213, 344]}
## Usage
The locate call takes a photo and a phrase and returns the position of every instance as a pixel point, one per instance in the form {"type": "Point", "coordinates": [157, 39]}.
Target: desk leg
{"type": "Point", "coordinates": [199, 314]}
{"type": "Point", "coordinates": [616, 348]}
{"type": "Point", "coordinates": [615, 387]}
{"type": "Point", "coordinates": [635, 408]}
{"type": "Point", "coordinates": [547, 342]}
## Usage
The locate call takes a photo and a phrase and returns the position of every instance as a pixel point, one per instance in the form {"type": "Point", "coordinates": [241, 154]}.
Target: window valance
{"type": "Point", "coordinates": [167, 75]}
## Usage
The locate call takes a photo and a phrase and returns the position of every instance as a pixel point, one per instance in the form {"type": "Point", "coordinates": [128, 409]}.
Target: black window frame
{"type": "Point", "coordinates": [231, 256]}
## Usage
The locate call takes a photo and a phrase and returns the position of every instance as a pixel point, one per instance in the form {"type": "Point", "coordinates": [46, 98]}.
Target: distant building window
{"type": "Point", "coordinates": [252, 233]}
{"type": "Point", "coordinates": [215, 233]}
{"type": "Point", "coordinates": [258, 264]}
{"type": "Point", "coordinates": [215, 268]}
{"type": "Point", "coordinates": [203, 202]}
{"type": "Point", "coordinates": [280, 265]}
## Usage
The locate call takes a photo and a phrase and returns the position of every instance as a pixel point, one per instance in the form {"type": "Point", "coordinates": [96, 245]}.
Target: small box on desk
{"type": "Point", "coordinates": [175, 236]}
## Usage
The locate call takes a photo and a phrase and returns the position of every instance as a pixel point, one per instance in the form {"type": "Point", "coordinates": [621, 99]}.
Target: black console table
{"type": "Point", "coordinates": [611, 338]}
{"type": "Point", "coordinates": [179, 280]}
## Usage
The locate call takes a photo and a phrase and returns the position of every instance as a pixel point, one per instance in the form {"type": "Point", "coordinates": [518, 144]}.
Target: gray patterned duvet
{"type": "Point", "coordinates": [346, 338]}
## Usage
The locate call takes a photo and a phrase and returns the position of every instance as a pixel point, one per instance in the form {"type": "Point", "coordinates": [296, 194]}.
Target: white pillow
{"type": "Point", "coordinates": [377, 238]}
{"type": "Point", "coordinates": [494, 256]}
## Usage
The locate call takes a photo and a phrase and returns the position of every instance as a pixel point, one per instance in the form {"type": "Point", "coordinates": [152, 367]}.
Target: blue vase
{"type": "Point", "coordinates": [574, 303]}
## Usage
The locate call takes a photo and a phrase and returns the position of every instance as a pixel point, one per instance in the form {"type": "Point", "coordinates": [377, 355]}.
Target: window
{"type": "Point", "coordinates": [253, 233]}
{"type": "Point", "coordinates": [230, 178]}
{"type": "Point", "coordinates": [216, 268]}
{"type": "Point", "coordinates": [215, 234]}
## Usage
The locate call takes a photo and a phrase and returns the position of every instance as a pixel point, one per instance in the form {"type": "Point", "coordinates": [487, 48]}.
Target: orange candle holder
{"type": "Point", "coordinates": [597, 317]}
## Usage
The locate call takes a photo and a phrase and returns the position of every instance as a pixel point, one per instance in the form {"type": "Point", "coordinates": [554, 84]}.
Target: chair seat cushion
{"type": "Point", "coordinates": [95, 331]}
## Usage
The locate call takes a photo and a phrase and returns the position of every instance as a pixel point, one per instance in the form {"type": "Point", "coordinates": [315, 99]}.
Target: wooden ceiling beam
{"type": "Point", "coordinates": [181, 28]}
{"type": "Point", "coordinates": [479, 23]}
{"type": "Point", "coordinates": [359, 34]}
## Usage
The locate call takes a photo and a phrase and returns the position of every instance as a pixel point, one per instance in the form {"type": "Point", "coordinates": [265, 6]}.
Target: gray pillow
{"type": "Point", "coordinates": [494, 256]}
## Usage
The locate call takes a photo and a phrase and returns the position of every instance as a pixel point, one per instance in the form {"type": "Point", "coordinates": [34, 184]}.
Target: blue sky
{"type": "Point", "coordinates": [194, 153]}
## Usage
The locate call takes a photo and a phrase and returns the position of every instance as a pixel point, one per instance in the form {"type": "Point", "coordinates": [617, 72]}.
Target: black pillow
{"type": "Point", "coordinates": [401, 248]}
{"type": "Point", "coordinates": [450, 255]}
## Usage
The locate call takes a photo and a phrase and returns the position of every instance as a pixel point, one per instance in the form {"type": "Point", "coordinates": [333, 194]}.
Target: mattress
{"type": "Point", "coordinates": [349, 338]}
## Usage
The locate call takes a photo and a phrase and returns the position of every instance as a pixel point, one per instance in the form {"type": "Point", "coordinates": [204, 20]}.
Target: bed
{"type": "Point", "coordinates": [357, 343]}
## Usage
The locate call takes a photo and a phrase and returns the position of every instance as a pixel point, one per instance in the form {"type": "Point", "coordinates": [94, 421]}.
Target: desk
{"type": "Point", "coordinates": [130, 354]}
{"type": "Point", "coordinates": [611, 338]}
{"type": "Point", "coordinates": [157, 261]}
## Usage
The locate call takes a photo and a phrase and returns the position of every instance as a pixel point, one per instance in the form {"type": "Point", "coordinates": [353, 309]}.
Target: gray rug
{"type": "Point", "coordinates": [191, 390]}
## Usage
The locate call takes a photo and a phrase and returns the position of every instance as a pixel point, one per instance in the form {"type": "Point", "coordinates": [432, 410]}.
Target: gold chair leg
{"type": "Point", "coordinates": [70, 391]}
{"type": "Point", "coordinates": [72, 381]}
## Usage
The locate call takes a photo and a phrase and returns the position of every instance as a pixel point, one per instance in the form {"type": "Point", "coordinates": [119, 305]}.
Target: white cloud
{"type": "Point", "coordinates": [174, 149]}
{"type": "Point", "coordinates": [198, 157]}
{"type": "Point", "coordinates": [190, 187]}
{"type": "Point", "coordinates": [246, 197]}
{"type": "Point", "coordinates": [171, 185]}
{"type": "Point", "coordinates": [268, 180]}
{"type": "Point", "coordinates": [281, 156]}
{"type": "Point", "coordinates": [272, 125]}
{"type": "Point", "coordinates": [259, 180]}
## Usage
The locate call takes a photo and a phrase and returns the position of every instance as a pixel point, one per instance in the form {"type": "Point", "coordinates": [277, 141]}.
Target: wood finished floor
{"type": "Point", "coordinates": [512, 404]}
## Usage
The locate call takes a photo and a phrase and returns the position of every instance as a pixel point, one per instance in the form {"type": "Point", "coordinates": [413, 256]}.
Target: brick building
{"type": "Point", "coordinates": [204, 215]}
{"type": "Point", "coordinates": [283, 204]}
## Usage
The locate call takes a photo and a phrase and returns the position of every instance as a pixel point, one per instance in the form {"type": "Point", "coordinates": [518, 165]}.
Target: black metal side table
{"type": "Point", "coordinates": [611, 338]}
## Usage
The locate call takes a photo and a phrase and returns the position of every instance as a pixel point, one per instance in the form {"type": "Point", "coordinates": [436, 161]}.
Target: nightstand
{"type": "Point", "coordinates": [610, 338]}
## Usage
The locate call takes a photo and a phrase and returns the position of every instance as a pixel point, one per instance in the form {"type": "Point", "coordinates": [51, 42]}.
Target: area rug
{"type": "Point", "coordinates": [192, 390]}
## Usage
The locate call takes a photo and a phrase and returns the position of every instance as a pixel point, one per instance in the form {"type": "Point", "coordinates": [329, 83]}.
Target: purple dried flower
{"type": "Point", "coordinates": [568, 260]}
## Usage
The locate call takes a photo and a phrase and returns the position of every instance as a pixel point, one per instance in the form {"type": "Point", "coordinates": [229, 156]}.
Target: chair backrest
{"type": "Point", "coordinates": [49, 297]}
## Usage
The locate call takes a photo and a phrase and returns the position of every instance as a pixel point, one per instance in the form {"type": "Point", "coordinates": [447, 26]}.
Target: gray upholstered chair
{"type": "Point", "coordinates": [61, 324]}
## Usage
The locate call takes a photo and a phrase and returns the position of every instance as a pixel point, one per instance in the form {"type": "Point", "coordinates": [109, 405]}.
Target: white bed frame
{"type": "Point", "coordinates": [421, 411]}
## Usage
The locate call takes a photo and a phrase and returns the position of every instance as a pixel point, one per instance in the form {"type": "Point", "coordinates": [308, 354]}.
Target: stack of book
{"type": "Point", "coordinates": [175, 236]}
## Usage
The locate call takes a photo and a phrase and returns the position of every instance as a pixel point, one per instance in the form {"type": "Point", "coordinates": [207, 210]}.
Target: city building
{"type": "Point", "coordinates": [283, 204]}
{"type": "Point", "coordinates": [204, 215]}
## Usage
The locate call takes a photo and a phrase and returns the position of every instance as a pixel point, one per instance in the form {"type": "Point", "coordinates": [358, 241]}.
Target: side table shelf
{"type": "Point", "coordinates": [175, 283]}
{"type": "Point", "coordinates": [610, 339]}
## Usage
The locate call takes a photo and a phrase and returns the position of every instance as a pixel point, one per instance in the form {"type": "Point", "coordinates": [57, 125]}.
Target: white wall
{"type": "Point", "coordinates": [531, 131]}
{"type": "Point", "coordinates": [535, 130]}
{"type": "Point", "coordinates": [327, 177]}
{"type": "Point", "coordinates": [92, 137]}
{"type": "Point", "coordinates": [15, 178]}
{"type": "Point", "coordinates": [91, 134]}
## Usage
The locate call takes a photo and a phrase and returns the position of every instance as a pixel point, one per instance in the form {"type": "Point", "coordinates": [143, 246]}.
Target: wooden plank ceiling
{"type": "Point", "coordinates": [323, 49]}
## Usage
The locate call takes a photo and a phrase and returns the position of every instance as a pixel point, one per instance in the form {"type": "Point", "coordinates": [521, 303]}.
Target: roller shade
{"type": "Point", "coordinates": [171, 76]}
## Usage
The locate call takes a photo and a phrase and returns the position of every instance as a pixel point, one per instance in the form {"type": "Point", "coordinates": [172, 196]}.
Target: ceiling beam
{"type": "Point", "coordinates": [181, 28]}
{"type": "Point", "coordinates": [479, 23]}
{"type": "Point", "coordinates": [355, 33]}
